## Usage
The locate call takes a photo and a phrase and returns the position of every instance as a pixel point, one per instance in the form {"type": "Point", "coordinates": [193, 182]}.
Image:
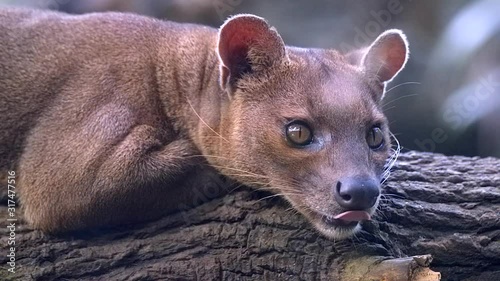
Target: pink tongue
{"type": "Point", "coordinates": [353, 216]}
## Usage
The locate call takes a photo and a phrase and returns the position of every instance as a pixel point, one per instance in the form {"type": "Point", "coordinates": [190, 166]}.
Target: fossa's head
{"type": "Point", "coordinates": [307, 123]}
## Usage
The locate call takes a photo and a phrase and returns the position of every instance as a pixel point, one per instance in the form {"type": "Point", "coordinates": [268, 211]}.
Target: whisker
{"type": "Point", "coordinates": [205, 123]}
{"type": "Point", "coordinates": [255, 184]}
{"type": "Point", "coordinates": [235, 169]}
{"type": "Point", "coordinates": [389, 108]}
{"type": "Point", "coordinates": [398, 98]}
{"type": "Point", "coordinates": [402, 84]}
{"type": "Point", "coordinates": [272, 196]}
{"type": "Point", "coordinates": [391, 161]}
{"type": "Point", "coordinates": [392, 195]}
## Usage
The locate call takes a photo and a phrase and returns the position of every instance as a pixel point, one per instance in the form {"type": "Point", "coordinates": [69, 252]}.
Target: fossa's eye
{"type": "Point", "coordinates": [375, 138]}
{"type": "Point", "coordinates": [298, 133]}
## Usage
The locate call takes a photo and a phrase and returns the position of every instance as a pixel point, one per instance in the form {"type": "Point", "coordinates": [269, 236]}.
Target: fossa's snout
{"type": "Point", "coordinates": [356, 193]}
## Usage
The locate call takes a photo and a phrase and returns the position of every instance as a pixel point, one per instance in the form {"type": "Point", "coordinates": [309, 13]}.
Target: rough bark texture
{"type": "Point", "coordinates": [444, 206]}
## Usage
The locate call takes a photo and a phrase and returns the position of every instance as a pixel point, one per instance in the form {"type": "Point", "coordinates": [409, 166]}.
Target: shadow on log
{"type": "Point", "coordinates": [446, 207]}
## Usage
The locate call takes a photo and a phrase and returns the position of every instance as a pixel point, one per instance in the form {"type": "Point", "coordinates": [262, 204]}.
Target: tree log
{"type": "Point", "coordinates": [433, 205]}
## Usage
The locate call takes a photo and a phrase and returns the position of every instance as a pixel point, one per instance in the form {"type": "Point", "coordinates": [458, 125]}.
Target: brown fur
{"type": "Point", "coordinates": [102, 115]}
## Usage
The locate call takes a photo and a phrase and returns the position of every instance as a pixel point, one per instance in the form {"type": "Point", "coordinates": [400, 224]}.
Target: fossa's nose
{"type": "Point", "coordinates": [356, 193]}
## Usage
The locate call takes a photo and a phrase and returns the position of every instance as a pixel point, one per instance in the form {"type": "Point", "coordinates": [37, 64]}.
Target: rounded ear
{"type": "Point", "coordinates": [386, 56]}
{"type": "Point", "coordinates": [247, 44]}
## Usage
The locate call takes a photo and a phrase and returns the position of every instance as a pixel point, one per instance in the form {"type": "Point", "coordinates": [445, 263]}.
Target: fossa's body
{"type": "Point", "coordinates": [102, 116]}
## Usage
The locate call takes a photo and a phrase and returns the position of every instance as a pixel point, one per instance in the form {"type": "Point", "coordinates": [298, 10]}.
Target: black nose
{"type": "Point", "coordinates": [356, 193]}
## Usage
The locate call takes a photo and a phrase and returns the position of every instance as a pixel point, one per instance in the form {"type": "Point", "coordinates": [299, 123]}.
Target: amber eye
{"type": "Point", "coordinates": [298, 133]}
{"type": "Point", "coordinates": [375, 138]}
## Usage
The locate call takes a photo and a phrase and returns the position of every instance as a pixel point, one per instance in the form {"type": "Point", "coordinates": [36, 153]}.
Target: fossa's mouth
{"type": "Point", "coordinates": [339, 226]}
{"type": "Point", "coordinates": [353, 216]}
{"type": "Point", "coordinates": [346, 219]}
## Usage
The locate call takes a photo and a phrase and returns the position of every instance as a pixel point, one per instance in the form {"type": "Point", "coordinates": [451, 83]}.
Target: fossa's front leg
{"type": "Point", "coordinates": [128, 184]}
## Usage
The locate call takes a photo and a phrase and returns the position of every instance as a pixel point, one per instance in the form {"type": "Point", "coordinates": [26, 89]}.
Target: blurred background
{"type": "Point", "coordinates": [447, 100]}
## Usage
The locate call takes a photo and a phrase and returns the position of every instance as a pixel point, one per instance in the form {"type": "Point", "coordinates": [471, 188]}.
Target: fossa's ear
{"type": "Point", "coordinates": [247, 44]}
{"type": "Point", "coordinates": [386, 56]}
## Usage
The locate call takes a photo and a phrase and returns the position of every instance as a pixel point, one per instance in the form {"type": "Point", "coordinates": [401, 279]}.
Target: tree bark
{"type": "Point", "coordinates": [447, 207]}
